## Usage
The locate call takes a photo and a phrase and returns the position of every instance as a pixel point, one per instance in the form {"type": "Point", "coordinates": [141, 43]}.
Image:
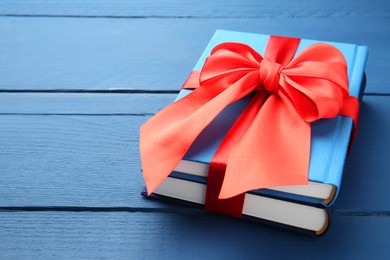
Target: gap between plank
{"type": "Point", "coordinates": [359, 213]}
{"type": "Point", "coordinates": [75, 114]}
{"type": "Point", "coordinates": [97, 91]}
{"type": "Point", "coordinates": [324, 16]}
{"type": "Point", "coordinates": [126, 16]}
{"type": "Point", "coordinates": [377, 94]}
{"type": "Point", "coordinates": [121, 91]}
{"type": "Point", "coordinates": [97, 209]}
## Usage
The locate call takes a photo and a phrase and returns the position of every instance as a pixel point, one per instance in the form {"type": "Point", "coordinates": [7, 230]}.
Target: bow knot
{"type": "Point", "coordinates": [269, 74]}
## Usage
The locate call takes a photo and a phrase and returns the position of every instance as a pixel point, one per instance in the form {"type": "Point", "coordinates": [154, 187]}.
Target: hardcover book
{"type": "Point", "coordinates": [301, 217]}
{"type": "Point", "coordinates": [329, 145]}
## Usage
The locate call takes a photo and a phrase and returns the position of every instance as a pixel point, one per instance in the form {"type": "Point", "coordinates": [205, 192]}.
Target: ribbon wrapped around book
{"type": "Point", "coordinates": [269, 144]}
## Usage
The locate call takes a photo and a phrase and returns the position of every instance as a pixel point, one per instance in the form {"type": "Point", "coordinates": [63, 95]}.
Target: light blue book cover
{"type": "Point", "coordinates": [330, 137]}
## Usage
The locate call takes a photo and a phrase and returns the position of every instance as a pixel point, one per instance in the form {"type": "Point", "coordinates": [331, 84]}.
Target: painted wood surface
{"type": "Point", "coordinates": [189, 235]}
{"type": "Point", "coordinates": [83, 103]}
{"type": "Point", "coordinates": [78, 78]}
{"type": "Point", "coordinates": [196, 8]}
{"type": "Point", "coordinates": [91, 158]}
{"type": "Point", "coordinates": [153, 54]}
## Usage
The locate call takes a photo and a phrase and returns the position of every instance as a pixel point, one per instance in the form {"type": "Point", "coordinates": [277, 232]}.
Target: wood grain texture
{"type": "Point", "coordinates": [93, 160]}
{"type": "Point", "coordinates": [196, 8]}
{"type": "Point", "coordinates": [83, 103]}
{"type": "Point", "coordinates": [154, 54]}
{"type": "Point", "coordinates": [70, 160]}
{"type": "Point", "coordinates": [191, 235]}
{"type": "Point", "coordinates": [368, 161]}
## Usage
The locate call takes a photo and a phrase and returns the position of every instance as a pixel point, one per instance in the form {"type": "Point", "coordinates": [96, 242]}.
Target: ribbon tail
{"type": "Point", "coordinates": [166, 137]}
{"type": "Point", "coordinates": [274, 151]}
{"type": "Point", "coordinates": [232, 206]}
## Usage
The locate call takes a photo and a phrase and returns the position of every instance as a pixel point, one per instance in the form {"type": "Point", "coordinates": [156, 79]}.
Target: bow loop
{"type": "Point", "coordinates": [316, 81]}
{"type": "Point", "coordinates": [228, 63]}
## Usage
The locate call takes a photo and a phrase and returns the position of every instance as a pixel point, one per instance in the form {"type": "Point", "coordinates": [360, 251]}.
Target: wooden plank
{"type": "Point", "coordinates": [190, 235]}
{"type": "Point", "coordinates": [93, 161]}
{"type": "Point", "coordinates": [83, 103]}
{"type": "Point", "coordinates": [153, 54]}
{"type": "Point", "coordinates": [368, 162]}
{"type": "Point", "coordinates": [199, 9]}
{"type": "Point", "coordinates": [70, 160]}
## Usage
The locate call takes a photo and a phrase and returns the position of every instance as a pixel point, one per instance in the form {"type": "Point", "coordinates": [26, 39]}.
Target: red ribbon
{"type": "Point", "coordinates": [269, 144]}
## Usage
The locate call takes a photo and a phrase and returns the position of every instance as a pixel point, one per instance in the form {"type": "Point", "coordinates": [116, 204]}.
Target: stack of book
{"type": "Point", "coordinates": [305, 207]}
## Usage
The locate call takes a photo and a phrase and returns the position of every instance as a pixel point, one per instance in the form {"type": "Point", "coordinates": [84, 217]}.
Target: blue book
{"type": "Point", "coordinates": [329, 145]}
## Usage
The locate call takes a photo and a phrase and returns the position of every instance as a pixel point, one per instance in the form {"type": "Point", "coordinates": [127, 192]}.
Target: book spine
{"type": "Point", "coordinates": [357, 85]}
{"type": "Point", "coordinates": [358, 78]}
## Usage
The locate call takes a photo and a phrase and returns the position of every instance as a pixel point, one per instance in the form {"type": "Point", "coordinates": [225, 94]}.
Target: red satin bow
{"type": "Point", "coordinates": [269, 145]}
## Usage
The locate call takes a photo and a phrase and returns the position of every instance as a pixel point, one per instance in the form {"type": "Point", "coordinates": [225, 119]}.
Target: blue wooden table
{"type": "Point", "coordinates": [78, 78]}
